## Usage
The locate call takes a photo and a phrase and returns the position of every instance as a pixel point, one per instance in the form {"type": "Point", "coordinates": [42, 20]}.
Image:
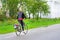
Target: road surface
{"type": "Point", "coordinates": [48, 33]}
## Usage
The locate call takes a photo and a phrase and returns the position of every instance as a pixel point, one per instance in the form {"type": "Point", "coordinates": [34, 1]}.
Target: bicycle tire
{"type": "Point", "coordinates": [18, 30]}
{"type": "Point", "coordinates": [25, 29]}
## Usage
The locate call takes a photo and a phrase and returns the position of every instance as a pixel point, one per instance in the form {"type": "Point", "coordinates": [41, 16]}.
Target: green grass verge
{"type": "Point", "coordinates": [8, 26]}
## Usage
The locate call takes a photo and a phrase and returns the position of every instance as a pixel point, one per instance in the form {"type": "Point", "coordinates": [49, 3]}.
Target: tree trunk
{"type": "Point", "coordinates": [29, 15]}
{"type": "Point", "coordinates": [40, 15]}
{"type": "Point", "coordinates": [7, 14]}
{"type": "Point", "coordinates": [33, 15]}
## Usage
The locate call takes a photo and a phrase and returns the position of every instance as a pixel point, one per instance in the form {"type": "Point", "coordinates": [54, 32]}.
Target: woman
{"type": "Point", "coordinates": [20, 18]}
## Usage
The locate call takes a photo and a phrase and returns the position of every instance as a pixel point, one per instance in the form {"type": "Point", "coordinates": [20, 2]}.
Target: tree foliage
{"type": "Point", "coordinates": [12, 6]}
{"type": "Point", "coordinates": [31, 6]}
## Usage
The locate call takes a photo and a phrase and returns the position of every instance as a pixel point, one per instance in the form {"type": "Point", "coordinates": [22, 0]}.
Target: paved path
{"type": "Point", "coordinates": [49, 33]}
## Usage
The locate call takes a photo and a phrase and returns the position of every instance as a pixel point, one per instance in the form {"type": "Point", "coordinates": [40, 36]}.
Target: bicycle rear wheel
{"type": "Point", "coordinates": [18, 30]}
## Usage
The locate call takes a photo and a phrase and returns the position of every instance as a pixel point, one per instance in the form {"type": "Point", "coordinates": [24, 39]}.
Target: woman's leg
{"type": "Point", "coordinates": [22, 24]}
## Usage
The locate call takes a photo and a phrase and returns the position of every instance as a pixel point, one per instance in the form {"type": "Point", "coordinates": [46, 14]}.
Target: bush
{"type": "Point", "coordinates": [3, 17]}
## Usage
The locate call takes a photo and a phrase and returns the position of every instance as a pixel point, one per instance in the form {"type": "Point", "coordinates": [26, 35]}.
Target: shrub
{"type": "Point", "coordinates": [3, 17]}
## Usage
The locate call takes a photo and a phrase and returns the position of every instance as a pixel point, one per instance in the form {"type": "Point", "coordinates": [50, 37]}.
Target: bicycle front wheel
{"type": "Point", "coordinates": [25, 29]}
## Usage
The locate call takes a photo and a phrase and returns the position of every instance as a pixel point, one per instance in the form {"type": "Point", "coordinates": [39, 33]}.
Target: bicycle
{"type": "Point", "coordinates": [18, 29]}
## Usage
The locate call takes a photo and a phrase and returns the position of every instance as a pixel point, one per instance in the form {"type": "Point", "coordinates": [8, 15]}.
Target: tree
{"type": "Point", "coordinates": [12, 6]}
{"type": "Point", "coordinates": [41, 7]}
{"type": "Point", "coordinates": [31, 6]}
{"type": "Point", "coordinates": [38, 6]}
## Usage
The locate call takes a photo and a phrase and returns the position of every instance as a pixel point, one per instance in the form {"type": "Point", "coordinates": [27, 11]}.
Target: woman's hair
{"type": "Point", "coordinates": [20, 9]}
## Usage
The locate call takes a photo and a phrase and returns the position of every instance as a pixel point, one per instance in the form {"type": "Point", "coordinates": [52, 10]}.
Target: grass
{"type": "Point", "coordinates": [8, 26]}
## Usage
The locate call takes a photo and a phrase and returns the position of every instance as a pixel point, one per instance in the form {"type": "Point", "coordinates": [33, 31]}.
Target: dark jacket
{"type": "Point", "coordinates": [21, 16]}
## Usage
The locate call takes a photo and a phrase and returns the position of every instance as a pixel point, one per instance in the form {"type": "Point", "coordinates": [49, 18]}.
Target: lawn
{"type": "Point", "coordinates": [8, 26]}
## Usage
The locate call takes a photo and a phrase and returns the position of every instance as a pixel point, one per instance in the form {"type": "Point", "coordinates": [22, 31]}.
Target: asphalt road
{"type": "Point", "coordinates": [48, 33]}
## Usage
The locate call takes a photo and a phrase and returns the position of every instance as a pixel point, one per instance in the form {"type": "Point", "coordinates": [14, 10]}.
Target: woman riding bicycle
{"type": "Point", "coordinates": [20, 18]}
